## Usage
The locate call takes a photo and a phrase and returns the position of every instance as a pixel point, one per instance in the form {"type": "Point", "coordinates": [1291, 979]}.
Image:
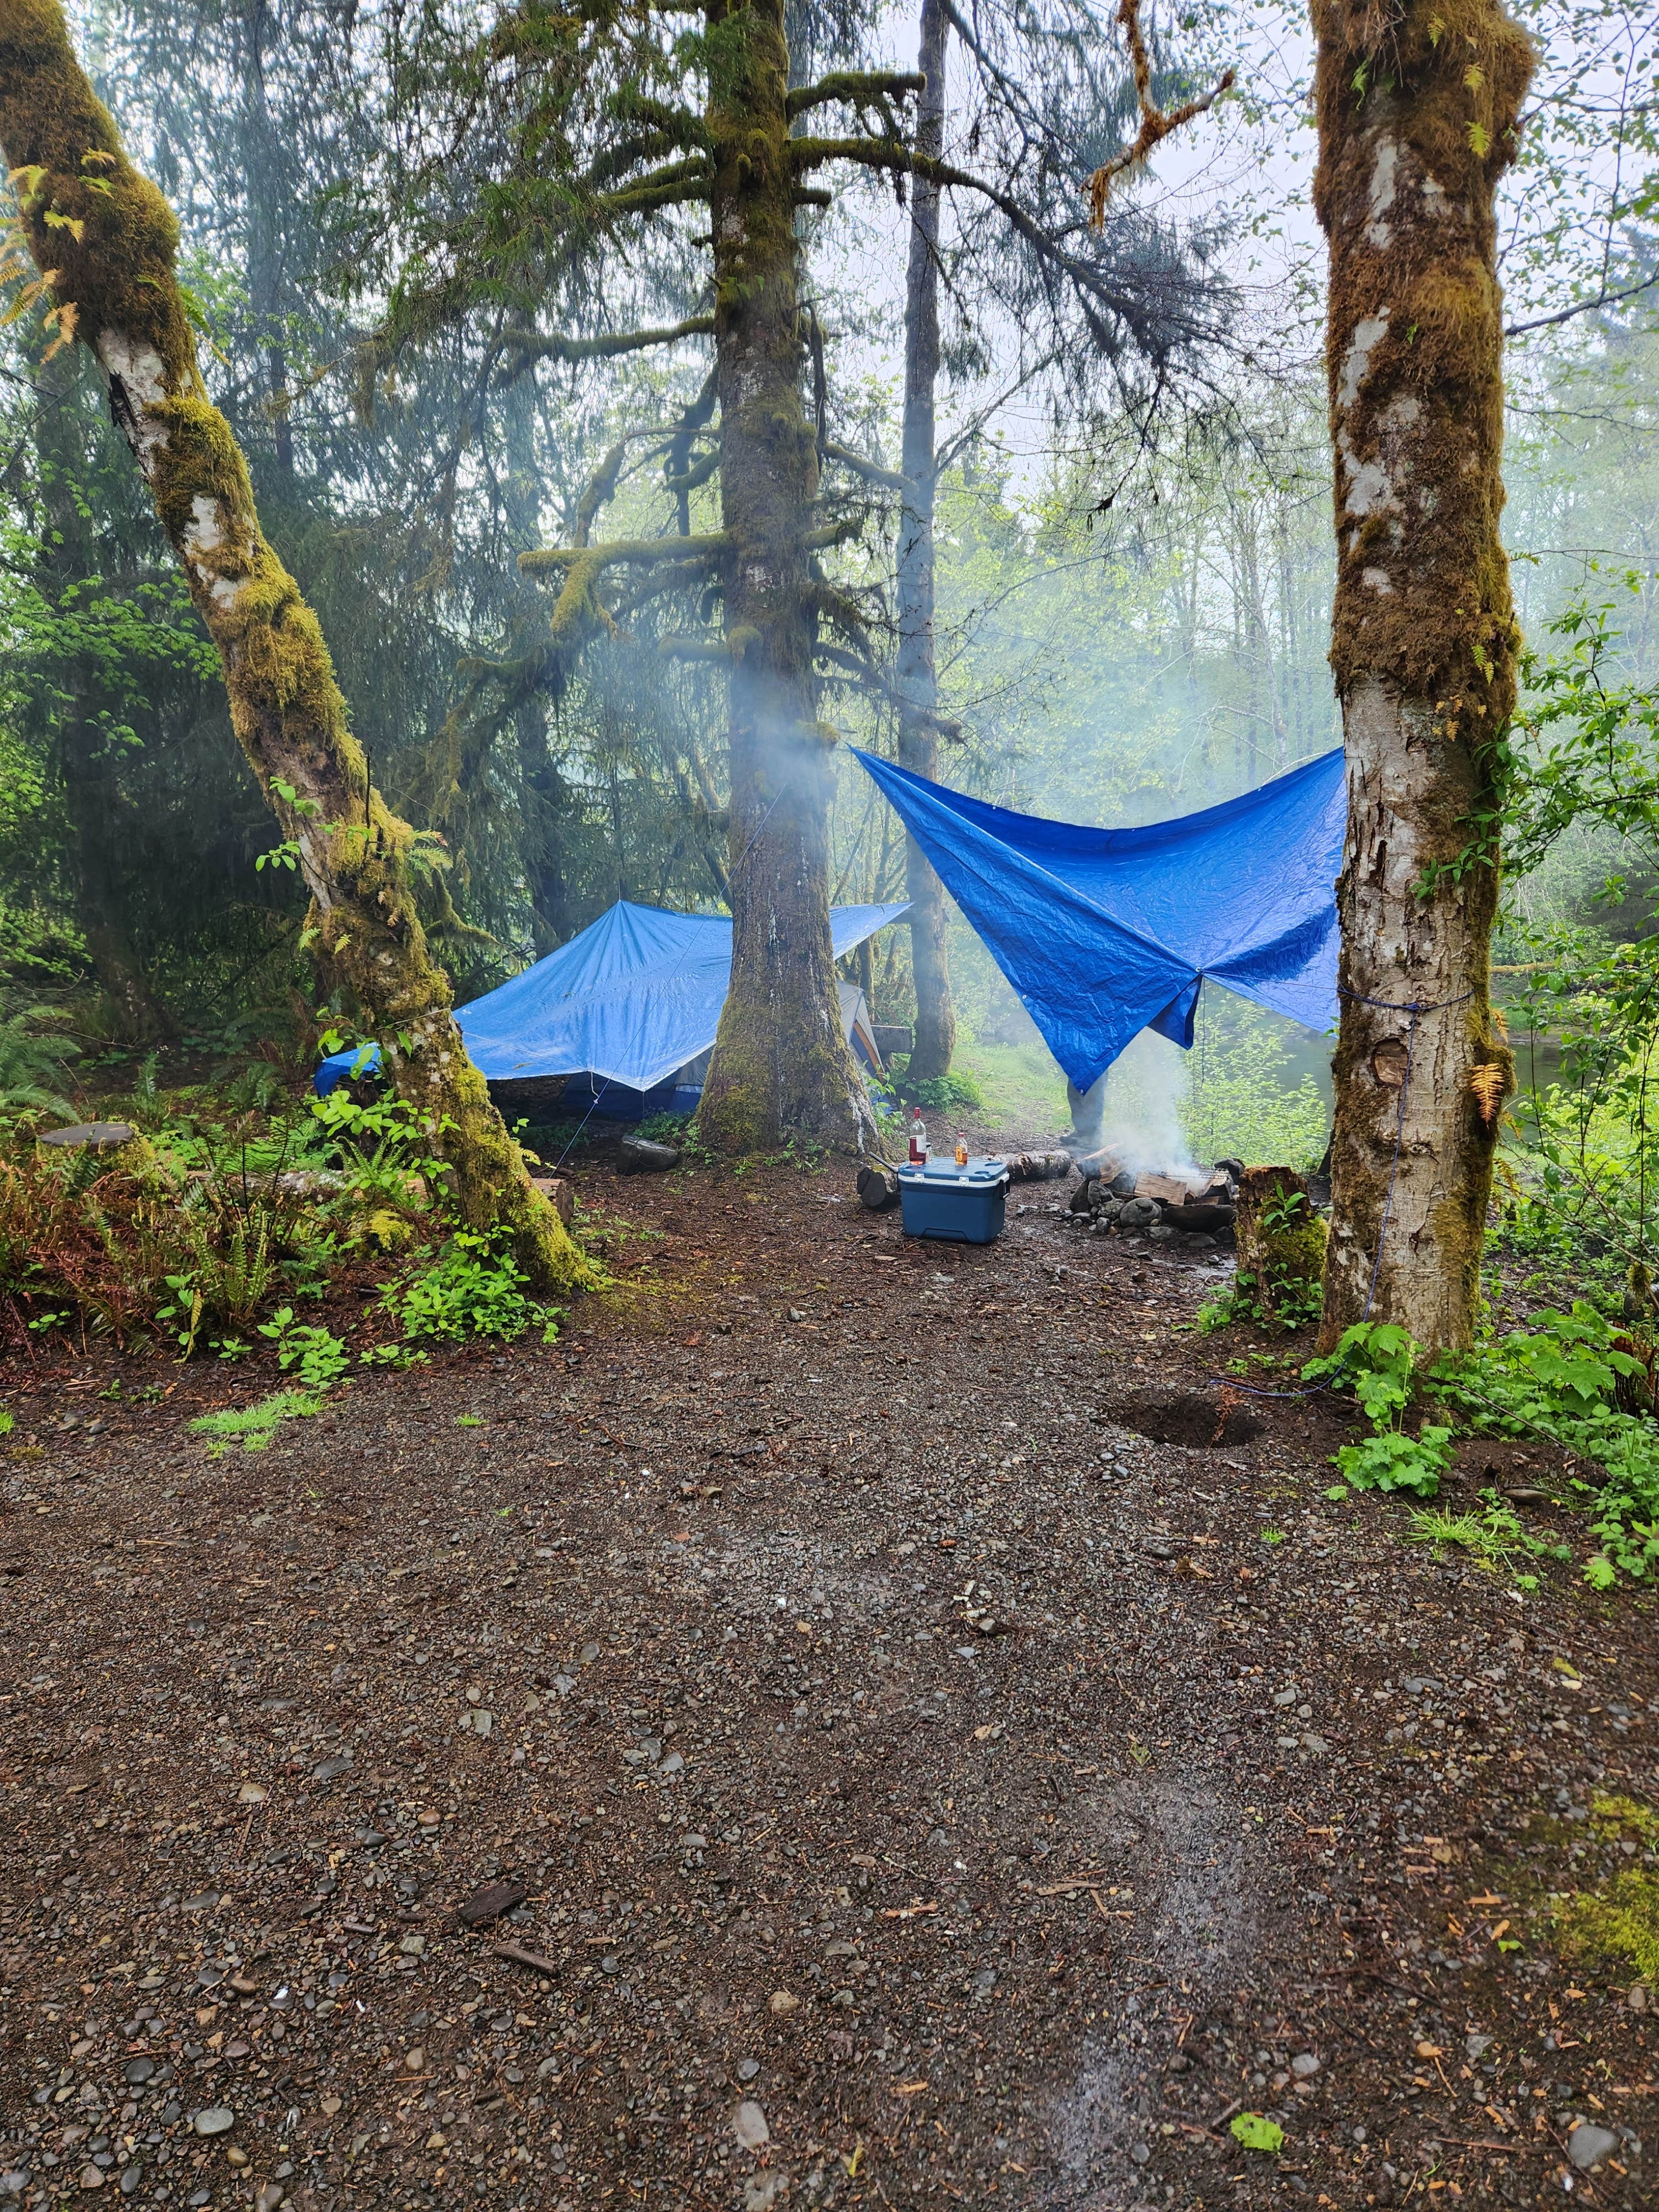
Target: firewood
{"type": "Point", "coordinates": [1039, 1167]}
{"type": "Point", "coordinates": [878, 1188]}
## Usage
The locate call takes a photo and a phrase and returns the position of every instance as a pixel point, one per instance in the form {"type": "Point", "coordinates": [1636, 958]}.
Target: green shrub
{"type": "Point", "coordinates": [472, 1289]}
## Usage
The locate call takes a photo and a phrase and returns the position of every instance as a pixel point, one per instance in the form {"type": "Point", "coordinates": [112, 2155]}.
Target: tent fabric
{"type": "Point", "coordinates": [629, 999]}
{"type": "Point", "coordinates": [1104, 933]}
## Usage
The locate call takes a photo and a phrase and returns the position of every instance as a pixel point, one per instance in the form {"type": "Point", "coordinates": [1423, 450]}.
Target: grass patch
{"type": "Point", "coordinates": [1621, 1921]}
{"type": "Point", "coordinates": [253, 1426]}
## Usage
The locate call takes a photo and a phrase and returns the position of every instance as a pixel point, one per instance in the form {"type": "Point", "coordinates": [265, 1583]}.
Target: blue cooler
{"type": "Point", "coordinates": [962, 1206]}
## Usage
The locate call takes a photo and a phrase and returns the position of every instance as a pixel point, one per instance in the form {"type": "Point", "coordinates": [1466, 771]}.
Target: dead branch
{"type": "Point", "coordinates": [1154, 124]}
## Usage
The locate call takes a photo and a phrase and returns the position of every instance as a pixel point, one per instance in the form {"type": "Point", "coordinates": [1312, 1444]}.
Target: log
{"type": "Point", "coordinates": [1208, 1219]}
{"type": "Point", "coordinates": [639, 1156]}
{"type": "Point", "coordinates": [1039, 1167]}
{"type": "Point", "coordinates": [878, 1188]}
{"type": "Point", "coordinates": [560, 1194]}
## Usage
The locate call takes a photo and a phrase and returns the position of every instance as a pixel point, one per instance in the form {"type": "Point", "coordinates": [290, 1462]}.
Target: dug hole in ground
{"type": "Point", "coordinates": [854, 1721]}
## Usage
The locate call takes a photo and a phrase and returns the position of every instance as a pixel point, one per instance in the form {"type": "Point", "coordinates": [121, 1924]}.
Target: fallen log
{"type": "Point", "coordinates": [1039, 1167]}
{"type": "Point", "coordinates": [639, 1156]}
{"type": "Point", "coordinates": [878, 1188]}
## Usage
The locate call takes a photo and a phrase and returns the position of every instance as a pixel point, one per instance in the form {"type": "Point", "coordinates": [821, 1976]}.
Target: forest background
{"type": "Point", "coordinates": [1134, 567]}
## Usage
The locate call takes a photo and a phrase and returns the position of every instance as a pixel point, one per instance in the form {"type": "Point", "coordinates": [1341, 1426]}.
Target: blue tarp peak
{"type": "Point", "coordinates": [1104, 933]}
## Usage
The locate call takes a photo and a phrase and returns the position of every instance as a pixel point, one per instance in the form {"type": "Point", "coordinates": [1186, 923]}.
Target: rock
{"type": "Point", "coordinates": [412, 1946]}
{"type": "Point", "coordinates": [14, 2181]}
{"type": "Point", "coordinates": [133, 2180]}
{"type": "Point", "coordinates": [748, 2126]}
{"type": "Point", "coordinates": [747, 2068]}
{"type": "Point", "coordinates": [781, 2002]}
{"type": "Point", "coordinates": [414, 2060]}
{"type": "Point", "coordinates": [1478, 2045]}
{"type": "Point", "coordinates": [486, 1905]}
{"type": "Point", "coordinates": [270, 2196]}
{"type": "Point", "coordinates": [90, 2177]}
{"type": "Point", "coordinates": [251, 1793]}
{"type": "Point", "coordinates": [92, 1137]}
{"type": "Point", "coordinates": [140, 2069]}
{"type": "Point", "coordinates": [329, 1769]}
{"type": "Point", "coordinates": [213, 2120]}
{"type": "Point", "coordinates": [1304, 2066]}
{"type": "Point", "coordinates": [639, 1155]}
{"type": "Point", "coordinates": [763, 2190]}
{"type": "Point", "coordinates": [1160, 1551]}
{"type": "Point", "coordinates": [1586, 2146]}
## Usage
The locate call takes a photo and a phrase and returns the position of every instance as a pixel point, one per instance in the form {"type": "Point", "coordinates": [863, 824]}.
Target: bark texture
{"type": "Point", "coordinates": [915, 672]}
{"type": "Point", "coordinates": [1418, 105]}
{"type": "Point", "coordinates": [111, 255]}
{"type": "Point", "coordinates": [781, 1063]}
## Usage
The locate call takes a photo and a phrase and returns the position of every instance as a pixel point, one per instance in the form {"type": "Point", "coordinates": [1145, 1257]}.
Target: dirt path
{"type": "Point", "coordinates": [927, 1786]}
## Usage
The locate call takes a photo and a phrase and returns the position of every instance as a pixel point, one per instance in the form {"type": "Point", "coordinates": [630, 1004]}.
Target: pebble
{"type": "Point", "coordinates": [213, 2120]}
{"type": "Point", "coordinates": [270, 2196]}
{"type": "Point", "coordinates": [782, 2002]}
{"type": "Point", "coordinates": [251, 1793]}
{"type": "Point", "coordinates": [747, 2068]}
{"type": "Point", "coordinates": [1304, 2065]}
{"type": "Point", "coordinates": [329, 1769]}
{"type": "Point", "coordinates": [90, 2178]}
{"type": "Point", "coordinates": [748, 2126]}
{"type": "Point", "coordinates": [140, 2069]}
{"type": "Point", "coordinates": [1586, 2146]}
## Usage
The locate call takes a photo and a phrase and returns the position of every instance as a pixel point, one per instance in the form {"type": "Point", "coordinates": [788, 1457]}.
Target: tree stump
{"type": "Point", "coordinates": [1281, 1240]}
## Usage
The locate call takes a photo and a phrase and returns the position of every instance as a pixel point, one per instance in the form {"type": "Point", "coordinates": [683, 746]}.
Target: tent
{"type": "Point", "coordinates": [1104, 933]}
{"type": "Point", "coordinates": [629, 1004]}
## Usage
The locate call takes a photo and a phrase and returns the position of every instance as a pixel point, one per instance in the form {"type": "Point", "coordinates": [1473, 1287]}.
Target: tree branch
{"type": "Point", "coordinates": [633, 552]}
{"type": "Point", "coordinates": [871, 471]}
{"type": "Point", "coordinates": [1154, 124]}
{"type": "Point", "coordinates": [555, 346]}
{"type": "Point", "coordinates": [1603, 299]}
{"type": "Point", "coordinates": [853, 89]}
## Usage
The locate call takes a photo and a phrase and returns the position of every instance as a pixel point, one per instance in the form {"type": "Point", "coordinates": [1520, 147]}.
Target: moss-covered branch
{"type": "Point", "coordinates": [853, 88]}
{"type": "Point", "coordinates": [1156, 125]}
{"type": "Point", "coordinates": [109, 240]}
{"type": "Point", "coordinates": [555, 346]}
{"type": "Point", "coordinates": [871, 471]}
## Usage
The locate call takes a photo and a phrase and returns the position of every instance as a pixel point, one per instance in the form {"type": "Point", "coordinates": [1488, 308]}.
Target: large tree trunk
{"type": "Point", "coordinates": [781, 1063]}
{"type": "Point", "coordinates": [117, 275]}
{"type": "Point", "coordinates": [918, 685]}
{"type": "Point", "coordinates": [1417, 119]}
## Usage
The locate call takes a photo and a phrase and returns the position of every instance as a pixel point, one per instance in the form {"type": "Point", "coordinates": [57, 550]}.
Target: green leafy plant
{"type": "Point", "coordinates": [32, 1060]}
{"type": "Point", "coordinates": [1493, 1535]}
{"type": "Point", "coordinates": [1377, 1361]}
{"type": "Point", "coordinates": [471, 1288]}
{"type": "Point", "coordinates": [317, 1353]}
{"type": "Point", "coordinates": [1254, 2131]}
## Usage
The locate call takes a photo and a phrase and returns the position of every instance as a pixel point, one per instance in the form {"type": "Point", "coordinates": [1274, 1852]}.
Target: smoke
{"type": "Point", "coordinates": [1136, 1107]}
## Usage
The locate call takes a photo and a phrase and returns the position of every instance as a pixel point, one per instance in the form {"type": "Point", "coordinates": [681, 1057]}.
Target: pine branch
{"type": "Point", "coordinates": [853, 89]}
{"type": "Point", "coordinates": [871, 471]}
{"type": "Point", "coordinates": [556, 345]}
{"type": "Point", "coordinates": [1154, 124]}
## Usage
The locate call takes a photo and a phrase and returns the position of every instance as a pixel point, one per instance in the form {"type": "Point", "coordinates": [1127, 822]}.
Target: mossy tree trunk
{"type": "Point", "coordinates": [781, 1063]}
{"type": "Point", "coordinates": [1417, 108]}
{"type": "Point", "coordinates": [109, 240]}
{"type": "Point", "coordinates": [915, 671]}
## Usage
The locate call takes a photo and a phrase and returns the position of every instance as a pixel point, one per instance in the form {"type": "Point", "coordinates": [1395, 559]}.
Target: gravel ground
{"type": "Point", "coordinates": [829, 1730]}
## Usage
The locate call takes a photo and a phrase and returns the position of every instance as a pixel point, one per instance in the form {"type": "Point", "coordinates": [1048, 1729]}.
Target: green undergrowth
{"type": "Point", "coordinates": [1572, 1379]}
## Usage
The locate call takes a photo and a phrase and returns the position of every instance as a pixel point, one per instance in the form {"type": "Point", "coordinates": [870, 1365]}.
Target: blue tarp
{"type": "Point", "coordinates": [1104, 933]}
{"type": "Point", "coordinates": [628, 1000]}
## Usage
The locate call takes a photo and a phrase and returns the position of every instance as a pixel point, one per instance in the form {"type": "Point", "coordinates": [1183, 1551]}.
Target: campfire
{"type": "Point", "coordinates": [1191, 1209]}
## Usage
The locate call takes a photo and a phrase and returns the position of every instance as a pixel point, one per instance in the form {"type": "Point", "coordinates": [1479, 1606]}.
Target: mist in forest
{"type": "Point", "coordinates": [1133, 559]}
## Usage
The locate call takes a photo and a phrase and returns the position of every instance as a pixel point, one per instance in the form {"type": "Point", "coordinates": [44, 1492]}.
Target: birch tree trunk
{"type": "Point", "coordinates": [781, 1063]}
{"type": "Point", "coordinates": [915, 672]}
{"type": "Point", "coordinates": [108, 240]}
{"type": "Point", "coordinates": [1417, 108]}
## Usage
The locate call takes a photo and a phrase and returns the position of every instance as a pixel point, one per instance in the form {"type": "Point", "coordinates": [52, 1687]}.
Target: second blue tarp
{"type": "Point", "coordinates": [1105, 933]}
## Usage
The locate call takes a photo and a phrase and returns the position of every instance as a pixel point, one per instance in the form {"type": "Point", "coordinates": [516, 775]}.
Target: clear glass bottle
{"type": "Point", "coordinates": [918, 1139]}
